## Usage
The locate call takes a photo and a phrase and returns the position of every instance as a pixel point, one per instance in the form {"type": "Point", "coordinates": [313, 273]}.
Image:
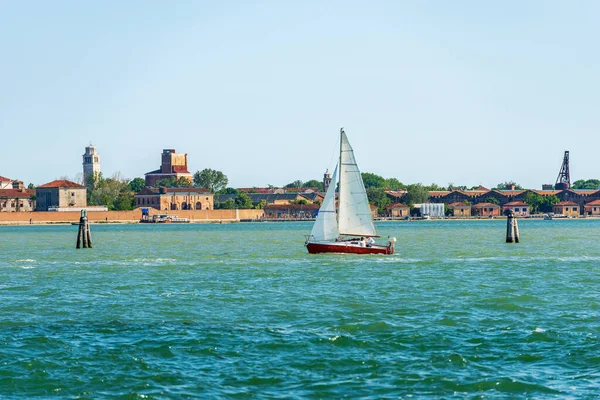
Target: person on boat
{"type": "Point", "coordinates": [370, 242]}
{"type": "Point", "coordinates": [362, 242]}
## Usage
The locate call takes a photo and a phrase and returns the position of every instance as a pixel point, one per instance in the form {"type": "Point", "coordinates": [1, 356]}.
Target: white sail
{"type": "Point", "coordinates": [354, 212]}
{"type": "Point", "coordinates": [325, 227]}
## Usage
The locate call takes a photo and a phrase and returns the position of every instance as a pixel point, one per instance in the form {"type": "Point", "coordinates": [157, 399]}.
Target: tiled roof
{"type": "Point", "coordinates": [510, 192]}
{"type": "Point", "coordinates": [584, 191]}
{"type": "Point", "coordinates": [396, 193]}
{"type": "Point", "coordinates": [593, 203]}
{"type": "Point", "coordinates": [301, 190]}
{"type": "Point", "coordinates": [439, 193]}
{"type": "Point", "coordinates": [61, 183]}
{"type": "Point", "coordinates": [566, 203]}
{"type": "Point", "coordinates": [482, 189]}
{"type": "Point", "coordinates": [482, 205]}
{"type": "Point", "coordinates": [312, 196]}
{"type": "Point", "coordinates": [459, 204]}
{"type": "Point", "coordinates": [13, 193]}
{"type": "Point", "coordinates": [546, 192]}
{"type": "Point", "coordinates": [256, 190]}
{"type": "Point", "coordinates": [516, 204]}
{"type": "Point", "coordinates": [3, 179]}
{"type": "Point", "coordinates": [396, 205]}
{"type": "Point", "coordinates": [471, 193]}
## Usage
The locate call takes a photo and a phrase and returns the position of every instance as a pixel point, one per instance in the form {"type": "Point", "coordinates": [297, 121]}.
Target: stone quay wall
{"type": "Point", "coordinates": [47, 217]}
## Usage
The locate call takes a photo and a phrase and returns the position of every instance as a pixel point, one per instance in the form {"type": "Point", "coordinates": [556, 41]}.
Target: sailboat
{"type": "Point", "coordinates": [351, 229]}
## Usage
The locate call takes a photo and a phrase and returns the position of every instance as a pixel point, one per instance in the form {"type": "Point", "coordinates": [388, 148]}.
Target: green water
{"type": "Point", "coordinates": [242, 311]}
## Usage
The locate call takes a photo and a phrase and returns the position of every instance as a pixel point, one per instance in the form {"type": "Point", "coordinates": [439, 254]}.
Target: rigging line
{"type": "Point", "coordinates": [334, 155]}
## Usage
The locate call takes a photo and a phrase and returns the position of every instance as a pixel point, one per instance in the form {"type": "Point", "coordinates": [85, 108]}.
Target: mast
{"type": "Point", "coordinates": [341, 168]}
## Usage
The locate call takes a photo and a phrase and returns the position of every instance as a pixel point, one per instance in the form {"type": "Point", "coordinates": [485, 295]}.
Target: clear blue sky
{"type": "Point", "coordinates": [467, 92]}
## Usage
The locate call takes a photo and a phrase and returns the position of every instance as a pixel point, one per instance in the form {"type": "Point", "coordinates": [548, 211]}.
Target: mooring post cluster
{"type": "Point", "coordinates": [84, 237]}
{"type": "Point", "coordinates": [512, 229]}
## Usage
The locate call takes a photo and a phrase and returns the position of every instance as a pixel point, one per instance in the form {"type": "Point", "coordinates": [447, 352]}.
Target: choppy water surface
{"type": "Point", "coordinates": [243, 311]}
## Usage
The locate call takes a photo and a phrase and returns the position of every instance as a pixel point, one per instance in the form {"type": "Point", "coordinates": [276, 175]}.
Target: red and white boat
{"type": "Point", "coordinates": [351, 229]}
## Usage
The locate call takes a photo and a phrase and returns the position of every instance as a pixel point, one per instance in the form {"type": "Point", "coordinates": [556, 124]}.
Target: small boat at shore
{"type": "Point", "coordinates": [351, 229]}
{"type": "Point", "coordinates": [163, 219]}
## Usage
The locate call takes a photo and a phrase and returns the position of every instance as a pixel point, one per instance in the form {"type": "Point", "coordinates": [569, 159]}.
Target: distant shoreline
{"type": "Point", "coordinates": [229, 221]}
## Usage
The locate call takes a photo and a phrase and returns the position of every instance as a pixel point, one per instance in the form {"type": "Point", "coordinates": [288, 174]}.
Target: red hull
{"type": "Point", "coordinates": [346, 247]}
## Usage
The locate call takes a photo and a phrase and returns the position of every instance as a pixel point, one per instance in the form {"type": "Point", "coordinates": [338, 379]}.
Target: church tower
{"type": "Point", "coordinates": [91, 164]}
{"type": "Point", "coordinates": [326, 181]}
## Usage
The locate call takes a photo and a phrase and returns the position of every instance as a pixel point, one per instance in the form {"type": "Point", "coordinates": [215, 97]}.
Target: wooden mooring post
{"type": "Point", "coordinates": [512, 229]}
{"type": "Point", "coordinates": [84, 237]}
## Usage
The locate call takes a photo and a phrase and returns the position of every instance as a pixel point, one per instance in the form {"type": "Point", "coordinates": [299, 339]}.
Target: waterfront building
{"type": "Point", "coordinates": [486, 210]}
{"type": "Point", "coordinates": [91, 166]}
{"type": "Point", "coordinates": [398, 210]}
{"type": "Point", "coordinates": [175, 198]}
{"type": "Point", "coordinates": [374, 210]}
{"type": "Point", "coordinates": [17, 199]}
{"type": "Point", "coordinates": [567, 208]}
{"type": "Point", "coordinates": [593, 208]}
{"type": "Point", "coordinates": [61, 194]}
{"type": "Point", "coordinates": [519, 208]}
{"type": "Point", "coordinates": [460, 209]}
{"type": "Point", "coordinates": [173, 165]}
{"type": "Point", "coordinates": [5, 183]}
{"type": "Point", "coordinates": [290, 211]}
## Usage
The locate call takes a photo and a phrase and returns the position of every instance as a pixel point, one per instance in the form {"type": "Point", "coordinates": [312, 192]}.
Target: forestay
{"type": "Point", "coordinates": [354, 212]}
{"type": "Point", "coordinates": [325, 227]}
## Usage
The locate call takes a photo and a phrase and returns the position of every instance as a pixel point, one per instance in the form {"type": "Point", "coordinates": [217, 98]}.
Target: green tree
{"type": "Point", "coordinates": [211, 179]}
{"type": "Point", "coordinates": [313, 183]}
{"type": "Point", "coordinates": [371, 180]}
{"type": "Point", "coordinates": [447, 210]}
{"type": "Point", "coordinates": [137, 184]}
{"type": "Point", "coordinates": [31, 186]}
{"type": "Point", "coordinates": [378, 198]}
{"type": "Point", "coordinates": [294, 185]}
{"type": "Point", "coordinates": [452, 186]}
{"type": "Point", "coordinates": [394, 184]}
{"type": "Point", "coordinates": [172, 181]}
{"type": "Point", "coordinates": [493, 200]}
{"type": "Point", "coordinates": [261, 204]}
{"type": "Point", "coordinates": [586, 184]}
{"type": "Point", "coordinates": [167, 182]}
{"type": "Point", "coordinates": [228, 190]}
{"type": "Point", "coordinates": [505, 185]}
{"type": "Point", "coordinates": [416, 194]}
{"type": "Point", "coordinates": [228, 204]}
{"type": "Point", "coordinates": [242, 200]}
{"type": "Point", "coordinates": [540, 203]}
{"type": "Point", "coordinates": [435, 187]}
{"type": "Point", "coordinates": [114, 193]}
